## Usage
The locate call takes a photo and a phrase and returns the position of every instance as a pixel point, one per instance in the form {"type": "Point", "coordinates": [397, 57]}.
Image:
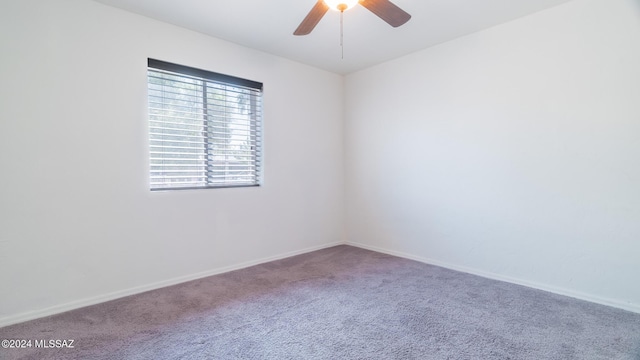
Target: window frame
{"type": "Point", "coordinates": [255, 121]}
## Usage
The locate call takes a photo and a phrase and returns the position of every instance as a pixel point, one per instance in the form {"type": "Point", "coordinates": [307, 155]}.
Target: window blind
{"type": "Point", "coordinates": [205, 128]}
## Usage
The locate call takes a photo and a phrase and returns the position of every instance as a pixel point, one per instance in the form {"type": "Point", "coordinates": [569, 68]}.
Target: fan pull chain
{"type": "Point", "coordinates": [341, 35]}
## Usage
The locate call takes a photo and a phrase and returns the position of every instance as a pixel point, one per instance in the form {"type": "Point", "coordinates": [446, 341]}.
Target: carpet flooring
{"type": "Point", "coordinates": [337, 303]}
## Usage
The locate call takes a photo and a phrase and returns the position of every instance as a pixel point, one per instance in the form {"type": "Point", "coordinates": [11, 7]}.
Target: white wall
{"type": "Point", "coordinates": [77, 221]}
{"type": "Point", "coordinates": [513, 152]}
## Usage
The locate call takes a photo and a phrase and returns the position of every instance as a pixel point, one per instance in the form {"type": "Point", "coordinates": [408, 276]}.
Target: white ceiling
{"type": "Point", "coordinates": [268, 25]}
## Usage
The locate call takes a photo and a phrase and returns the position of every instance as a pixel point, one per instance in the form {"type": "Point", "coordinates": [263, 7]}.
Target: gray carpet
{"type": "Point", "coordinates": [338, 303]}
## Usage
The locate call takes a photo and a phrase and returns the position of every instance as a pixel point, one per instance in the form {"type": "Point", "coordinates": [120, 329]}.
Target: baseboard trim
{"type": "Point", "coordinates": [552, 289]}
{"type": "Point", "coordinates": [57, 309]}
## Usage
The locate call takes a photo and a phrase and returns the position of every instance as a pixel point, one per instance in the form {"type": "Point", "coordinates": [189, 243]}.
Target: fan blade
{"type": "Point", "coordinates": [387, 11]}
{"type": "Point", "coordinates": [312, 19]}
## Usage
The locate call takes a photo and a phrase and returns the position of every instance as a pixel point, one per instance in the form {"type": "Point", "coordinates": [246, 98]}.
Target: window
{"type": "Point", "coordinates": [204, 128]}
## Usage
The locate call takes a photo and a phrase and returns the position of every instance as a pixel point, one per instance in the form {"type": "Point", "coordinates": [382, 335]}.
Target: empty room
{"type": "Point", "coordinates": [315, 179]}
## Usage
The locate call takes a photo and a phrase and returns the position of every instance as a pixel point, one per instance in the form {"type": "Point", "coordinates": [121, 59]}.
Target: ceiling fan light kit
{"type": "Point", "coordinates": [341, 5]}
{"type": "Point", "coordinates": [384, 9]}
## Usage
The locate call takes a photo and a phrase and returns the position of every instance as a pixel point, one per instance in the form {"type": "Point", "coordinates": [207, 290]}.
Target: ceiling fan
{"type": "Point", "coordinates": [384, 9]}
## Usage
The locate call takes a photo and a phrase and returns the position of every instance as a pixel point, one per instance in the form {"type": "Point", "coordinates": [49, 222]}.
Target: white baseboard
{"type": "Point", "coordinates": [552, 289]}
{"type": "Point", "coordinates": [31, 315]}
